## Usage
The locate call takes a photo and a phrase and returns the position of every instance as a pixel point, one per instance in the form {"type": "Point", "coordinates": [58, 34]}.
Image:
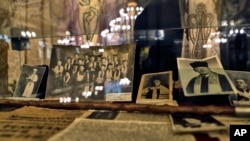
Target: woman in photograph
{"type": "Point", "coordinates": [31, 79]}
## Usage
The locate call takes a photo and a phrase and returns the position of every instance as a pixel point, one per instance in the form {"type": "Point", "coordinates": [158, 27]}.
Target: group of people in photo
{"type": "Point", "coordinates": [90, 73]}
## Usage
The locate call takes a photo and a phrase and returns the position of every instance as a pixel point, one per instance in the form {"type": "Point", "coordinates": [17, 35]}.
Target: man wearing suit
{"type": "Point", "coordinates": [68, 66]}
{"type": "Point", "coordinates": [157, 91]}
{"type": "Point", "coordinates": [243, 90]}
{"type": "Point", "coordinates": [207, 81]}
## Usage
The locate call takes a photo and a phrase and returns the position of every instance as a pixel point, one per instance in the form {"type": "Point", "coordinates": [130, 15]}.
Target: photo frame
{"type": "Point", "coordinates": [155, 88]}
{"type": "Point", "coordinates": [241, 80]}
{"type": "Point", "coordinates": [94, 74]}
{"type": "Point", "coordinates": [30, 82]}
{"type": "Point", "coordinates": [200, 77]}
{"type": "Point", "coordinates": [183, 123]}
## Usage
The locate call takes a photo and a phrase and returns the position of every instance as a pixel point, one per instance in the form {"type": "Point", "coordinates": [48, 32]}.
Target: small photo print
{"type": "Point", "coordinates": [155, 88]}
{"type": "Point", "coordinates": [204, 77]}
{"type": "Point", "coordinates": [182, 123]}
{"type": "Point", "coordinates": [241, 80]}
{"type": "Point", "coordinates": [29, 81]}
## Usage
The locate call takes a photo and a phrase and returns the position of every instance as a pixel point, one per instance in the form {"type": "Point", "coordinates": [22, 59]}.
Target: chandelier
{"type": "Point", "coordinates": [121, 29]}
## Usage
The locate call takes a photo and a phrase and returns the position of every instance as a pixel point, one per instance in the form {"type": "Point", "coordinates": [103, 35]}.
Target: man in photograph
{"type": "Point", "coordinates": [58, 74]}
{"type": "Point", "coordinates": [157, 91]}
{"type": "Point", "coordinates": [207, 81]}
{"type": "Point", "coordinates": [243, 90]}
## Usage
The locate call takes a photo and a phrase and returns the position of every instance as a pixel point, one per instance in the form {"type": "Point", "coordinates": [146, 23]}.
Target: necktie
{"type": "Point", "coordinates": [158, 93]}
{"type": "Point", "coordinates": [204, 84]}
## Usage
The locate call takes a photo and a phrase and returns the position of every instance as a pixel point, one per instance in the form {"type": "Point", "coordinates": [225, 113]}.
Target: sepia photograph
{"type": "Point", "coordinates": [155, 88]}
{"type": "Point", "coordinates": [206, 76]}
{"type": "Point", "coordinates": [95, 73]}
{"type": "Point", "coordinates": [241, 80]}
{"type": "Point", "coordinates": [182, 123]}
{"type": "Point", "coordinates": [29, 81]}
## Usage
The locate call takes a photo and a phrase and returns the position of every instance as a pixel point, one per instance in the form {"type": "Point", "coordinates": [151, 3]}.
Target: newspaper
{"type": "Point", "coordinates": [125, 124]}
{"type": "Point", "coordinates": [143, 117]}
{"type": "Point", "coordinates": [118, 130]}
{"type": "Point", "coordinates": [15, 130]}
{"type": "Point", "coordinates": [32, 123]}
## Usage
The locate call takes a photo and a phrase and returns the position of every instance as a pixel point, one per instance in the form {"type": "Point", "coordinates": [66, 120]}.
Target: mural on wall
{"type": "Point", "coordinates": [199, 36]}
{"type": "Point", "coordinates": [4, 14]}
{"type": "Point", "coordinates": [200, 19]}
{"type": "Point", "coordinates": [53, 18]}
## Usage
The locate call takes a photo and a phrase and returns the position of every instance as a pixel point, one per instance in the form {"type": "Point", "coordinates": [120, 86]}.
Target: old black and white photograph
{"type": "Point", "coordinates": [155, 87]}
{"type": "Point", "coordinates": [241, 80]}
{"type": "Point", "coordinates": [96, 73]}
{"type": "Point", "coordinates": [204, 77]}
{"type": "Point", "coordinates": [182, 123]}
{"type": "Point", "coordinates": [29, 81]}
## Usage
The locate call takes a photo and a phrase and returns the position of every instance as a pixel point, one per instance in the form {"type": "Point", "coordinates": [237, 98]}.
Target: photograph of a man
{"type": "Point", "coordinates": [204, 77]}
{"type": "Point", "coordinates": [155, 87]}
{"type": "Point", "coordinates": [207, 80]}
{"type": "Point", "coordinates": [241, 81]}
{"type": "Point", "coordinates": [243, 90]}
{"type": "Point", "coordinates": [194, 123]}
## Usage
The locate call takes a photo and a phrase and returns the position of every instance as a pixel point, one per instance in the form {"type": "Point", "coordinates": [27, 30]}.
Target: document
{"type": "Point", "coordinates": [118, 130]}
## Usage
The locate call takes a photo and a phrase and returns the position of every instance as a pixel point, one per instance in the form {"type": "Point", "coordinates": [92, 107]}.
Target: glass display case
{"type": "Point", "coordinates": [162, 30]}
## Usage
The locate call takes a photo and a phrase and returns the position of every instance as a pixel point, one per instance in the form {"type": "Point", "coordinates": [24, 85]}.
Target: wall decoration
{"type": "Point", "coordinates": [200, 17]}
{"type": "Point", "coordinates": [95, 73]}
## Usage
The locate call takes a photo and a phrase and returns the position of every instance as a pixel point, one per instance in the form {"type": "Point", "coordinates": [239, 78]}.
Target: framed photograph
{"type": "Point", "coordinates": [241, 80]}
{"type": "Point", "coordinates": [182, 123]}
{"type": "Point", "coordinates": [29, 81]}
{"type": "Point", "coordinates": [204, 77]}
{"type": "Point", "coordinates": [95, 73]}
{"type": "Point", "coordinates": [155, 88]}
